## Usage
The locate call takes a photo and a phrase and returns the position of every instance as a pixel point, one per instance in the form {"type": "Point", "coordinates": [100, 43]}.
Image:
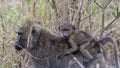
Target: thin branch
{"type": "Point", "coordinates": [3, 37]}
{"type": "Point", "coordinates": [103, 17]}
{"type": "Point", "coordinates": [53, 5]}
{"type": "Point", "coordinates": [108, 3]}
{"type": "Point", "coordinates": [103, 21]}
{"type": "Point", "coordinates": [78, 13]}
{"type": "Point", "coordinates": [110, 24]}
{"type": "Point", "coordinates": [85, 17]}
{"type": "Point", "coordinates": [34, 9]}
{"type": "Point", "coordinates": [85, 9]}
{"type": "Point", "coordinates": [77, 61]}
{"type": "Point", "coordinates": [98, 4]}
{"type": "Point", "coordinates": [91, 15]}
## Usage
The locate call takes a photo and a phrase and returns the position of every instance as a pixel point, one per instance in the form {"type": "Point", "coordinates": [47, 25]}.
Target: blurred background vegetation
{"type": "Point", "coordinates": [98, 17]}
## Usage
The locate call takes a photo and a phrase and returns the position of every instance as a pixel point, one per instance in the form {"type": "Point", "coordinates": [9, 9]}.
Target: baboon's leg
{"type": "Point", "coordinates": [84, 51]}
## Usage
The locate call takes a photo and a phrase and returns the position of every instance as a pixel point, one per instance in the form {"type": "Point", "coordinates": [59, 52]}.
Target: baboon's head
{"type": "Point", "coordinates": [35, 36]}
{"type": "Point", "coordinates": [22, 37]}
{"type": "Point", "coordinates": [66, 29]}
{"type": "Point", "coordinates": [40, 36]}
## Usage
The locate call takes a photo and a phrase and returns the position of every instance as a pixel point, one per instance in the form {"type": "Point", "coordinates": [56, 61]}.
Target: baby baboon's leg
{"type": "Point", "coordinates": [84, 51]}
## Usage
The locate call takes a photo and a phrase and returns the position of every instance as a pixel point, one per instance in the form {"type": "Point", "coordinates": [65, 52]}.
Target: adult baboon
{"type": "Point", "coordinates": [43, 46]}
{"type": "Point", "coordinates": [43, 50]}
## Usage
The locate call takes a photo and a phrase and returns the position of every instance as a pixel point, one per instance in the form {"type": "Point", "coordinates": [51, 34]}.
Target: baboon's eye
{"type": "Point", "coordinates": [65, 29]}
{"type": "Point", "coordinates": [33, 31]}
{"type": "Point", "coordinates": [19, 33]}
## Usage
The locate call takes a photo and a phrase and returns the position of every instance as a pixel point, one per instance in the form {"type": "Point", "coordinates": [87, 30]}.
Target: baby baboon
{"type": "Point", "coordinates": [83, 41]}
{"type": "Point", "coordinates": [77, 39]}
